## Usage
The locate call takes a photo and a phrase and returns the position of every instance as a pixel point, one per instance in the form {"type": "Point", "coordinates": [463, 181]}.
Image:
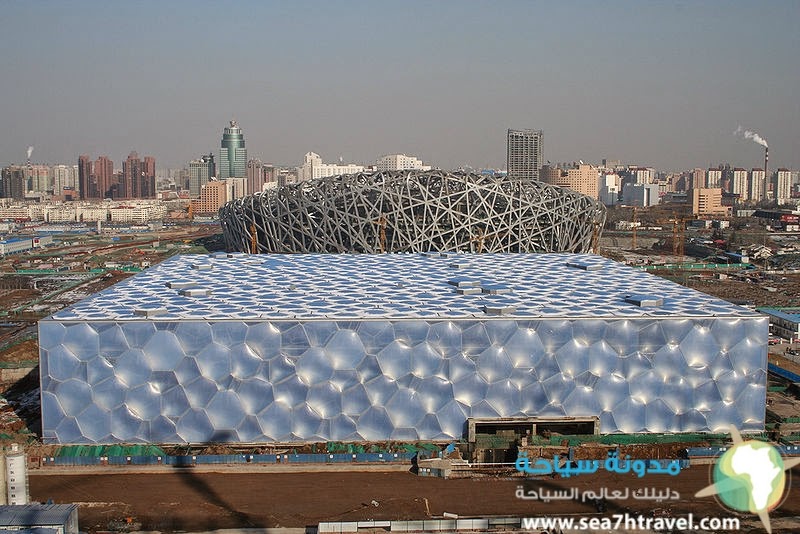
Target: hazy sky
{"type": "Point", "coordinates": [655, 83]}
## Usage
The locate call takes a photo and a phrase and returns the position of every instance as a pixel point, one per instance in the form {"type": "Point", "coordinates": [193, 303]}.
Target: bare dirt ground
{"type": "Point", "coordinates": [787, 290]}
{"type": "Point", "coordinates": [25, 351]}
{"type": "Point", "coordinates": [190, 500]}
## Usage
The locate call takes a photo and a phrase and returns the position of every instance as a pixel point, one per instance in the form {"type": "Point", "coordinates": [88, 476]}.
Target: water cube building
{"type": "Point", "coordinates": [348, 347]}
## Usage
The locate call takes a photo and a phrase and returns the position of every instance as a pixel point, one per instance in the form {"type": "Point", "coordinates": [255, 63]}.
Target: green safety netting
{"type": "Point", "coordinates": [628, 439]}
{"type": "Point", "coordinates": [75, 451]}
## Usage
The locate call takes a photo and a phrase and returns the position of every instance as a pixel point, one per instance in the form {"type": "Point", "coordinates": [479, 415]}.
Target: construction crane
{"type": "Point", "coordinates": [678, 237]}
{"type": "Point", "coordinates": [253, 239]}
{"type": "Point", "coordinates": [480, 239]}
{"type": "Point", "coordinates": [595, 237]}
{"type": "Point", "coordinates": [382, 232]}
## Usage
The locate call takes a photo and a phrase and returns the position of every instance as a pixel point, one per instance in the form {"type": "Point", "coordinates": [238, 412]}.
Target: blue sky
{"type": "Point", "coordinates": [654, 83]}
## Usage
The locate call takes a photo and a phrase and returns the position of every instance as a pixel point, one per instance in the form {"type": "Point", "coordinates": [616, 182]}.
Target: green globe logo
{"type": "Point", "coordinates": [750, 477]}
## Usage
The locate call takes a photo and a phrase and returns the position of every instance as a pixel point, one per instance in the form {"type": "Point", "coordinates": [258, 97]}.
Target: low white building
{"type": "Point", "coordinates": [15, 245]}
{"type": "Point", "coordinates": [313, 167]}
{"type": "Point", "coordinates": [400, 162]}
{"type": "Point", "coordinates": [42, 241]}
{"type": "Point", "coordinates": [92, 213]}
{"type": "Point", "coordinates": [59, 213]}
{"type": "Point", "coordinates": [16, 211]}
{"type": "Point", "coordinates": [130, 214]}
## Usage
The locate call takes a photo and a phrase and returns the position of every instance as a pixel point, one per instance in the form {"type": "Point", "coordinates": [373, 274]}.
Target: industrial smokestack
{"type": "Point", "coordinates": [766, 171]}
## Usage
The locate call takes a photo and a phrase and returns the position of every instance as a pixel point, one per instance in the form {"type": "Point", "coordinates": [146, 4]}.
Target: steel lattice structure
{"type": "Point", "coordinates": [413, 211]}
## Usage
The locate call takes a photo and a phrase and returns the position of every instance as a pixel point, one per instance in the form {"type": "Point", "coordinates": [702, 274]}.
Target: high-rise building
{"type": "Point", "coordinates": [783, 186]}
{"type": "Point", "coordinates": [148, 186]}
{"type": "Point", "coordinates": [698, 180]}
{"type": "Point", "coordinates": [236, 187]}
{"type": "Point", "coordinates": [269, 173]}
{"type": "Point", "coordinates": [65, 178]}
{"type": "Point", "coordinates": [12, 182]}
{"type": "Point", "coordinates": [138, 177]}
{"type": "Point", "coordinates": [757, 185]}
{"type": "Point", "coordinates": [232, 154]}
{"type": "Point", "coordinates": [643, 175]}
{"type": "Point", "coordinates": [87, 186]}
{"type": "Point", "coordinates": [524, 153]}
{"type": "Point", "coordinates": [200, 173]}
{"type": "Point", "coordinates": [39, 178]}
{"type": "Point", "coordinates": [255, 176]}
{"type": "Point", "coordinates": [103, 178]}
{"type": "Point", "coordinates": [739, 186]}
{"type": "Point", "coordinates": [714, 179]}
{"type": "Point", "coordinates": [131, 174]}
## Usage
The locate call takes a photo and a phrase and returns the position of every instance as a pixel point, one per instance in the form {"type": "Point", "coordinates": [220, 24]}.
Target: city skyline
{"type": "Point", "coordinates": [662, 85]}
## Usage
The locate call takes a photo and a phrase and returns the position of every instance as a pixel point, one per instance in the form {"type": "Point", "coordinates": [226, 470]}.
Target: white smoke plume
{"type": "Point", "coordinates": [30, 151]}
{"type": "Point", "coordinates": [747, 134]}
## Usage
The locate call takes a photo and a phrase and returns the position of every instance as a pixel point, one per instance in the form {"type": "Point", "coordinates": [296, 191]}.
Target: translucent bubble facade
{"type": "Point", "coordinates": [413, 211]}
{"type": "Point", "coordinates": [375, 347]}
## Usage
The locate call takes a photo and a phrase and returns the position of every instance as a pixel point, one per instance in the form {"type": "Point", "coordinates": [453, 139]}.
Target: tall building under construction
{"type": "Point", "coordinates": [524, 153]}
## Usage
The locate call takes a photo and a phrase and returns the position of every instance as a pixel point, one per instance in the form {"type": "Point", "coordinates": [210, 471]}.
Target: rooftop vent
{"type": "Point", "coordinates": [585, 265]}
{"type": "Point", "coordinates": [645, 301]}
{"type": "Point", "coordinates": [202, 266]}
{"type": "Point", "coordinates": [499, 309]}
{"type": "Point", "coordinates": [180, 284]}
{"type": "Point", "coordinates": [195, 292]}
{"type": "Point", "coordinates": [468, 290]}
{"type": "Point", "coordinates": [149, 312]}
{"type": "Point", "coordinates": [496, 289]}
{"type": "Point", "coordinates": [432, 254]}
{"type": "Point", "coordinates": [459, 264]}
{"type": "Point", "coordinates": [464, 282]}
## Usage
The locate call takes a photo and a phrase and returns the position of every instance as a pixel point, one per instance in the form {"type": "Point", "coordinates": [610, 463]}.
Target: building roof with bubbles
{"type": "Point", "coordinates": [395, 286]}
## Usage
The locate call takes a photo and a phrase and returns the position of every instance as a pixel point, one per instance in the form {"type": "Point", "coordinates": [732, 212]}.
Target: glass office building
{"type": "Point", "coordinates": [232, 154]}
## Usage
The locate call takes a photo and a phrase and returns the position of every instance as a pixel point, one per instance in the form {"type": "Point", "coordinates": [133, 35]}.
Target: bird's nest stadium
{"type": "Point", "coordinates": [413, 211]}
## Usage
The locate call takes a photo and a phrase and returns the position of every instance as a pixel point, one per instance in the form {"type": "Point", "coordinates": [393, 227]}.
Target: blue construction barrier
{"type": "Point", "coordinates": [772, 368]}
{"type": "Point", "coordinates": [789, 450]}
{"type": "Point", "coordinates": [209, 459]}
{"type": "Point", "coordinates": [664, 463]}
{"type": "Point", "coordinates": [712, 452]}
{"type": "Point", "coordinates": [705, 452]}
